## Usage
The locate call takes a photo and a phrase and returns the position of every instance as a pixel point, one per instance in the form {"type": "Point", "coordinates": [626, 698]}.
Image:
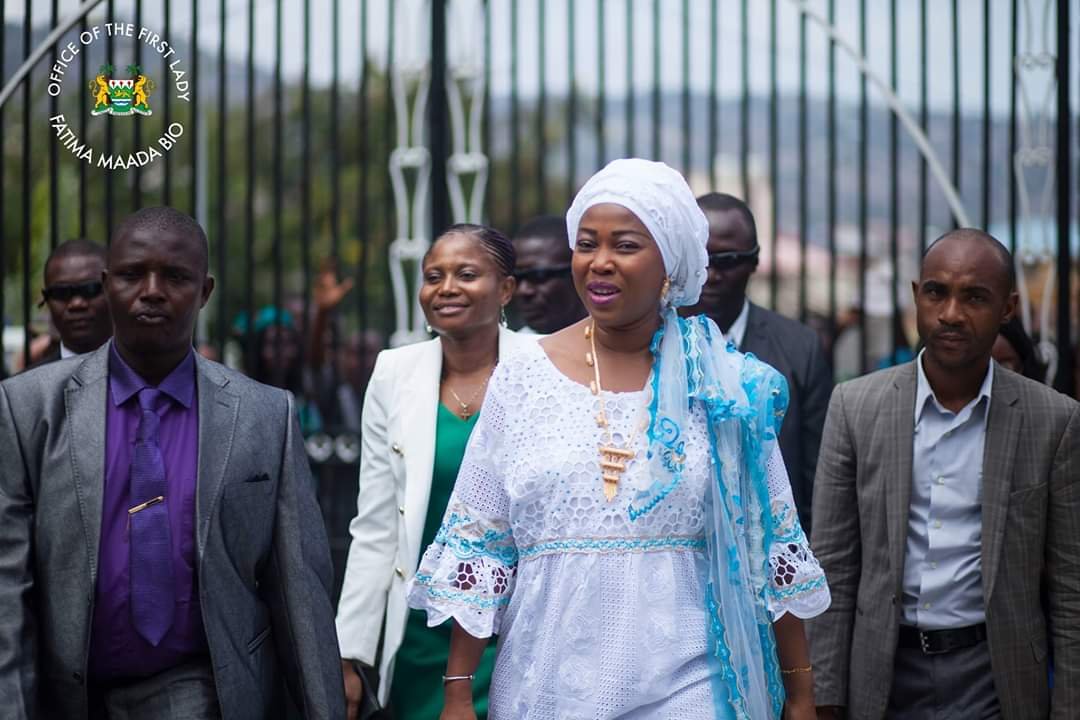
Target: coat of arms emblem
{"type": "Point", "coordinates": [121, 97]}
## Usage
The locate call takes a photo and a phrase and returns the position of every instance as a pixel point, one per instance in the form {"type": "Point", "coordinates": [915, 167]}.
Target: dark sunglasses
{"type": "Point", "coordinates": [542, 274]}
{"type": "Point", "coordinates": [728, 260]}
{"type": "Point", "coordinates": [64, 293]}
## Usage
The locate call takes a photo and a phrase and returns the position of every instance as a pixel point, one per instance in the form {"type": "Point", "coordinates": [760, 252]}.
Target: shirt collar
{"type": "Point", "coordinates": [924, 392]}
{"type": "Point", "coordinates": [124, 382]}
{"type": "Point", "coordinates": [66, 352]}
{"type": "Point", "coordinates": [737, 331]}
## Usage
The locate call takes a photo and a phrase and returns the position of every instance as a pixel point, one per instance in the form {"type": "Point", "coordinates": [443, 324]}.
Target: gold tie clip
{"type": "Point", "coordinates": [148, 503]}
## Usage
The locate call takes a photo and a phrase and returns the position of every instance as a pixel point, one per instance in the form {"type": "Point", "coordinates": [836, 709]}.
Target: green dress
{"type": "Point", "coordinates": [416, 693]}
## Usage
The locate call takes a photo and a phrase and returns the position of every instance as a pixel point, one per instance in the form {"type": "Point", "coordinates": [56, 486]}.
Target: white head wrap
{"type": "Point", "coordinates": [659, 197]}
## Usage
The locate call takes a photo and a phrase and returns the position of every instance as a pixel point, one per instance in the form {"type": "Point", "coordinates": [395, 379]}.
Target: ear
{"type": "Point", "coordinates": [1011, 303]}
{"type": "Point", "coordinates": [915, 291]}
{"type": "Point", "coordinates": [506, 289]}
{"type": "Point", "coordinates": [208, 287]}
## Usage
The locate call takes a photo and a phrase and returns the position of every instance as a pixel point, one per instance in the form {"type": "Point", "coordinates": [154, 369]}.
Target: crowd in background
{"type": "Point", "coordinates": [327, 366]}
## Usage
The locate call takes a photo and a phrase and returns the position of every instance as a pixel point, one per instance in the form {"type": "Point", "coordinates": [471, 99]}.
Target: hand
{"type": "Point", "coordinates": [458, 711]}
{"type": "Point", "coordinates": [458, 701]}
{"type": "Point", "coordinates": [354, 689]}
{"type": "Point", "coordinates": [798, 710]}
{"type": "Point", "coordinates": [327, 291]}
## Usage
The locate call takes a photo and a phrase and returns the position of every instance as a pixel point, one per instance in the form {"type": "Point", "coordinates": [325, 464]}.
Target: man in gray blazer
{"type": "Point", "coordinates": [947, 519]}
{"type": "Point", "coordinates": [789, 346]}
{"type": "Point", "coordinates": [162, 554]}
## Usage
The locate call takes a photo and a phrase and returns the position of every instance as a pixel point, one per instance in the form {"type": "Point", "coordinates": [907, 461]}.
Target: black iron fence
{"type": "Point", "coordinates": [858, 130]}
{"type": "Point", "coordinates": [296, 131]}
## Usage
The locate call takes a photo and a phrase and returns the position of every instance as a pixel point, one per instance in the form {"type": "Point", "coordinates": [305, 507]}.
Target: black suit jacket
{"type": "Point", "coordinates": [795, 350]}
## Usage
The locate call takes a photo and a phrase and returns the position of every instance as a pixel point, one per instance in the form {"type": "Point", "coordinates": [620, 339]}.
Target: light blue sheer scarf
{"type": "Point", "coordinates": [744, 400]}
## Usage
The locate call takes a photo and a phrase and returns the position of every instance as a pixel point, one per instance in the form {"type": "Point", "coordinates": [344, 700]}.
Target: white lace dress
{"type": "Point", "coordinates": [598, 616]}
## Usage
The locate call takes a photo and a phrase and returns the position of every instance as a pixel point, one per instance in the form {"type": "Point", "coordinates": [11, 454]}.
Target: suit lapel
{"type": "Point", "coordinates": [415, 435]}
{"type": "Point", "coordinates": [754, 337]}
{"type": "Point", "coordinates": [85, 401]}
{"type": "Point", "coordinates": [415, 432]}
{"type": "Point", "coordinates": [999, 456]}
{"type": "Point", "coordinates": [218, 411]}
{"type": "Point", "coordinates": [898, 449]}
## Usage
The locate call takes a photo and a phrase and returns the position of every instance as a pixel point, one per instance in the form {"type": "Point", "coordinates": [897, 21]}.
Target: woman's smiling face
{"type": "Point", "coordinates": [462, 287]}
{"type": "Point", "coordinates": [617, 266]}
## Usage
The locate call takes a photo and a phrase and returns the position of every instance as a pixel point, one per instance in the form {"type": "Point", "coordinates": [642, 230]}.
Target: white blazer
{"type": "Point", "coordinates": [396, 464]}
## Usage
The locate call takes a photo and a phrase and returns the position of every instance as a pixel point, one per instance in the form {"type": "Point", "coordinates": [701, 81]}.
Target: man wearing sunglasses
{"type": "Point", "coordinates": [74, 296]}
{"type": "Point", "coordinates": [791, 347]}
{"type": "Point", "coordinates": [545, 298]}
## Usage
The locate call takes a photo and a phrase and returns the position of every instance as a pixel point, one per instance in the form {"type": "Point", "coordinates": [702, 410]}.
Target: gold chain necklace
{"type": "Point", "coordinates": [613, 459]}
{"type": "Point", "coordinates": [464, 413]}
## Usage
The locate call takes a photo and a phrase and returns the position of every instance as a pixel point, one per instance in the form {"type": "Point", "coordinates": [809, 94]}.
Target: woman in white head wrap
{"type": "Point", "coordinates": [622, 518]}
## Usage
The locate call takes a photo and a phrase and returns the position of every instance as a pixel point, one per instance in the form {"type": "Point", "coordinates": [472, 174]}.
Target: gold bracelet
{"type": "Point", "coordinates": [794, 671]}
{"type": "Point", "coordinates": [451, 678]}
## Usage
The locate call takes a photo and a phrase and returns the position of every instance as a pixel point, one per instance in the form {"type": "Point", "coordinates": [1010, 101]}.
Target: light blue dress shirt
{"type": "Point", "coordinates": [942, 565]}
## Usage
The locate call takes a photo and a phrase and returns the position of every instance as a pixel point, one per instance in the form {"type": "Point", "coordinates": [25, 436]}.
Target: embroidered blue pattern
{"type": "Point", "coordinates": [462, 596]}
{"type": "Point", "coordinates": [785, 517]}
{"type": "Point", "coordinates": [798, 589]}
{"type": "Point", "coordinates": [744, 402]}
{"type": "Point", "coordinates": [662, 430]}
{"type": "Point", "coordinates": [729, 691]}
{"type": "Point", "coordinates": [655, 499]}
{"type": "Point", "coordinates": [772, 669]}
{"type": "Point", "coordinates": [491, 543]}
{"type": "Point", "coordinates": [601, 545]}
{"type": "Point", "coordinates": [674, 453]}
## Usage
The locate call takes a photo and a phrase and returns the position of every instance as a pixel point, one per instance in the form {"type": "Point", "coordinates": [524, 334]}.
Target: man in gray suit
{"type": "Point", "coordinates": [162, 554]}
{"type": "Point", "coordinates": [947, 519]}
{"type": "Point", "coordinates": [789, 346]}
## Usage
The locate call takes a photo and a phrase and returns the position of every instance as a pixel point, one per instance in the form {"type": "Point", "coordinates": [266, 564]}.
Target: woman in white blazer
{"type": "Point", "coordinates": [419, 408]}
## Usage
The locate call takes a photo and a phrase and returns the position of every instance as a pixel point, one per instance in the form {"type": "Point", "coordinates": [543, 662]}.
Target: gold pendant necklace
{"type": "Point", "coordinates": [613, 459]}
{"type": "Point", "coordinates": [464, 413]}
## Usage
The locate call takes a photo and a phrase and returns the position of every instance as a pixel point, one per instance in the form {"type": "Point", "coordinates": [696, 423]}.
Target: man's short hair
{"type": "Point", "coordinates": [722, 202]}
{"type": "Point", "coordinates": [1006, 258]}
{"type": "Point", "coordinates": [77, 247]}
{"type": "Point", "coordinates": [166, 219]}
{"type": "Point", "coordinates": [545, 226]}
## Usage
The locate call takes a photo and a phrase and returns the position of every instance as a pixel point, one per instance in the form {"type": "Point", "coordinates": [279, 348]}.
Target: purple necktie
{"type": "Point", "coordinates": [152, 594]}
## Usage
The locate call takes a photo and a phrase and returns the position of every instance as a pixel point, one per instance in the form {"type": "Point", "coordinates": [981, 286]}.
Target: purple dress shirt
{"type": "Point", "coordinates": [117, 651]}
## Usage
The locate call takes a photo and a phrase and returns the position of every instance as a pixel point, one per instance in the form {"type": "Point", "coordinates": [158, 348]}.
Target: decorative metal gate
{"type": "Point", "coordinates": [356, 130]}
